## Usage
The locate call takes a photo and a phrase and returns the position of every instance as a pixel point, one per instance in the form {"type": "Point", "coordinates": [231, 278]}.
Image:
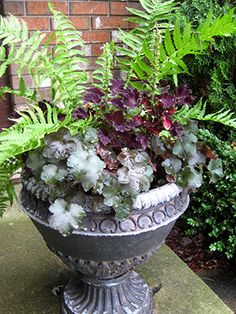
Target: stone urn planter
{"type": "Point", "coordinates": [105, 251]}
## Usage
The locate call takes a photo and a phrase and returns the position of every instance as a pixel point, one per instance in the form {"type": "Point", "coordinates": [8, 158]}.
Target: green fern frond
{"type": "Point", "coordinates": [174, 43]}
{"type": "Point", "coordinates": [7, 191]}
{"type": "Point", "coordinates": [198, 112]}
{"type": "Point", "coordinates": [185, 41]}
{"type": "Point", "coordinates": [29, 131]}
{"type": "Point", "coordinates": [61, 67]}
{"type": "Point", "coordinates": [103, 74]}
{"type": "Point", "coordinates": [137, 42]}
{"type": "Point", "coordinates": [68, 58]}
{"type": "Point", "coordinates": [223, 25]}
{"type": "Point", "coordinates": [23, 49]}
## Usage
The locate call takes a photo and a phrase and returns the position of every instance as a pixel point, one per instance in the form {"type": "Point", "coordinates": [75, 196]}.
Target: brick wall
{"type": "Point", "coordinates": [96, 20]}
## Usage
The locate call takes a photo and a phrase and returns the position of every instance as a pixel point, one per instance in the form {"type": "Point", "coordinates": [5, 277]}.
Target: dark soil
{"type": "Point", "coordinates": [194, 251]}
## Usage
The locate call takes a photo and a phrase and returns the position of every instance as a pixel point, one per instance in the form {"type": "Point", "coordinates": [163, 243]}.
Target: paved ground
{"type": "Point", "coordinates": [223, 283]}
{"type": "Point", "coordinates": [28, 273]}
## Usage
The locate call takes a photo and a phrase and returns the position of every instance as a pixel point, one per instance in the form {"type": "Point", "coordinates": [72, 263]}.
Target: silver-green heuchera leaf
{"type": "Point", "coordinates": [65, 216]}
{"type": "Point", "coordinates": [51, 174]}
{"type": "Point", "coordinates": [215, 170]}
{"type": "Point", "coordinates": [189, 177]}
{"type": "Point", "coordinates": [35, 161]}
{"type": "Point", "coordinates": [137, 172]}
{"type": "Point", "coordinates": [60, 144]}
{"type": "Point", "coordinates": [172, 165]}
{"type": "Point", "coordinates": [85, 168]}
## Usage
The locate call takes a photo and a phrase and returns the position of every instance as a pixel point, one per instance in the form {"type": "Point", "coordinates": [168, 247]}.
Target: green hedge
{"type": "Point", "coordinates": [213, 207]}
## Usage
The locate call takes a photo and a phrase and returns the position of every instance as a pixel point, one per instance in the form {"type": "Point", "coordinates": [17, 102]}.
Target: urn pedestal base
{"type": "Point", "coordinates": [127, 294]}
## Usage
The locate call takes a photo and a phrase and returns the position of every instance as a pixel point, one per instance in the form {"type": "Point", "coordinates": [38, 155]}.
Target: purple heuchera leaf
{"type": "Point", "coordinates": [118, 102]}
{"type": "Point", "coordinates": [183, 95]}
{"type": "Point", "coordinates": [132, 97]}
{"type": "Point", "coordinates": [177, 129]}
{"type": "Point", "coordinates": [93, 95]}
{"type": "Point", "coordinates": [167, 100]}
{"type": "Point", "coordinates": [79, 113]}
{"type": "Point", "coordinates": [143, 140]}
{"type": "Point", "coordinates": [103, 137]}
{"type": "Point", "coordinates": [116, 119]}
{"type": "Point", "coordinates": [116, 86]}
{"type": "Point", "coordinates": [128, 97]}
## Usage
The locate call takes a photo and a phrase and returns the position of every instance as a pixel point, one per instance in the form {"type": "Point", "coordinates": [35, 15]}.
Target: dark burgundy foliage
{"type": "Point", "coordinates": [79, 113]}
{"type": "Point", "coordinates": [94, 95]}
{"type": "Point", "coordinates": [128, 117]}
{"type": "Point", "coordinates": [176, 129]}
{"type": "Point", "coordinates": [183, 95]}
{"type": "Point", "coordinates": [143, 140]}
{"type": "Point", "coordinates": [116, 86]}
{"type": "Point", "coordinates": [119, 123]}
{"type": "Point", "coordinates": [127, 98]}
{"type": "Point", "coordinates": [168, 100]}
{"type": "Point", "coordinates": [103, 137]}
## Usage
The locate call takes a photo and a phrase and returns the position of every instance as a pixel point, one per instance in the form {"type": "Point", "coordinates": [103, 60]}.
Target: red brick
{"type": "Point", "coordinates": [109, 22]}
{"type": "Point", "coordinates": [41, 8]}
{"type": "Point", "coordinates": [96, 49]}
{"type": "Point", "coordinates": [132, 25]}
{"type": "Point", "coordinates": [81, 22]}
{"type": "Point", "coordinates": [45, 93]}
{"type": "Point", "coordinates": [118, 8]}
{"type": "Point", "coordinates": [37, 23]}
{"type": "Point", "coordinates": [96, 36]}
{"type": "Point", "coordinates": [91, 8]}
{"type": "Point", "coordinates": [13, 68]}
{"type": "Point", "coordinates": [4, 124]}
{"type": "Point", "coordinates": [14, 7]}
{"type": "Point", "coordinates": [5, 107]}
{"type": "Point", "coordinates": [19, 100]}
{"type": "Point", "coordinates": [15, 81]}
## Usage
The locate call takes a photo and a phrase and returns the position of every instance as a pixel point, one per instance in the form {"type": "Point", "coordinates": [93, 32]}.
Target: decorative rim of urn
{"type": "Point", "coordinates": [105, 251]}
{"type": "Point", "coordinates": [153, 209]}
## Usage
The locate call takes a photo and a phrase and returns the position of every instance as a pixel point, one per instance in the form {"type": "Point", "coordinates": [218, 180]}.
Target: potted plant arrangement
{"type": "Point", "coordinates": [107, 169]}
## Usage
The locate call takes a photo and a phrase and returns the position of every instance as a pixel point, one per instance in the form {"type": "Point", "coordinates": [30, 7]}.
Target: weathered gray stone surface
{"type": "Point", "coordinates": [28, 273]}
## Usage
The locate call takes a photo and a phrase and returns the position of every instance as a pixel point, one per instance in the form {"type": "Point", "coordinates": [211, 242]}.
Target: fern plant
{"type": "Point", "coordinates": [103, 74]}
{"type": "Point", "coordinates": [176, 42]}
{"type": "Point", "coordinates": [61, 66]}
{"type": "Point", "coordinates": [198, 112]}
{"type": "Point", "coordinates": [137, 42]}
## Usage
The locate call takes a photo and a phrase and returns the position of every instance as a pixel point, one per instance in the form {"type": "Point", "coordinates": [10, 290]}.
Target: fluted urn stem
{"type": "Point", "coordinates": [127, 294]}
